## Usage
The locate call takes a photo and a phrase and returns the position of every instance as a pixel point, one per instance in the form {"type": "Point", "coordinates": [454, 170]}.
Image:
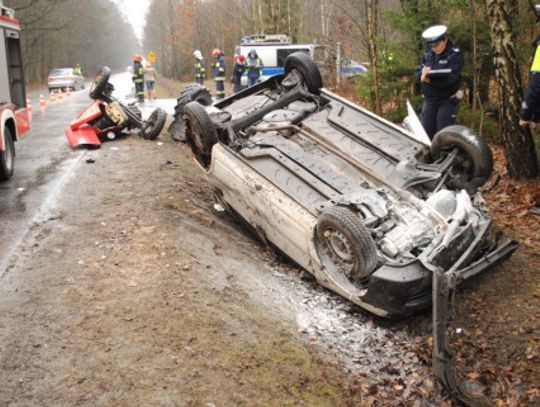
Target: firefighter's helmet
{"type": "Point", "coordinates": [216, 52]}
{"type": "Point", "coordinates": [240, 58]}
{"type": "Point", "coordinates": [137, 57]}
{"type": "Point", "coordinates": [197, 54]}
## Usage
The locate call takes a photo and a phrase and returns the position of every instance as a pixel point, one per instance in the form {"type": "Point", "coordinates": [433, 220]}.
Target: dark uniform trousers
{"type": "Point", "coordinates": [437, 114]}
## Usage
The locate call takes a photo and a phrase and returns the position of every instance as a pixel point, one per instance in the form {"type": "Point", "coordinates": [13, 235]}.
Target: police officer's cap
{"type": "Point", "coordinates": [434, 34]}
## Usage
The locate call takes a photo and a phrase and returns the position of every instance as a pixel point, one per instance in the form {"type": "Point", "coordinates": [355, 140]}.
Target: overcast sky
{"type": "Point", "coordinates": [134, 10]}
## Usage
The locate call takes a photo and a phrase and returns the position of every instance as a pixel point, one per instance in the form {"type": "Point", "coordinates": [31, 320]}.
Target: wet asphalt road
{"type": "Point", "coordinates": [44, 161]}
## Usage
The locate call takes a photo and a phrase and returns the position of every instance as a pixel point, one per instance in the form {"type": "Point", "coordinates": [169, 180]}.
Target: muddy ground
{"type": "Point", "coordinates": [134, 290]}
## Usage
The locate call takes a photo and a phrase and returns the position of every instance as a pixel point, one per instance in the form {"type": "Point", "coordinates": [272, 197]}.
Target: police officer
{"type": "Point", "coordinates": [254, 66]}
{"type": "Point", "coordinates": [138, 77]}
{"type": "Point", "coordinates": [238, 70]}
{"type": "Point", "coordinates": [200, 70]}
{"type": "Point", "coordinates": [219, 72]}
{"type": "Point", "coordinates": [440, 76]}
{"type": "Point", "coordinates": [530, 107]}
{"type": "Point", "coordinates": [78, 69]}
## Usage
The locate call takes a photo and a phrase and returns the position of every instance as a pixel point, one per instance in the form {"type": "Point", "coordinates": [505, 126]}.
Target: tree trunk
{"type": "Point", "coordinates": [371, 15]}
{"type": "Point", "coordinates": [519, 145]}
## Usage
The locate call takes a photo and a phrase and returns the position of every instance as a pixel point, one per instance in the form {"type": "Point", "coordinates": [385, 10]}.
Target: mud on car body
{"type": "Point", "coordinates": [366, 206]}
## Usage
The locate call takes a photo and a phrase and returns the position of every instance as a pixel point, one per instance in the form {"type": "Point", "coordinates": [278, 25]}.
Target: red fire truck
{"type": "Point", "coordinates": [14, 115]}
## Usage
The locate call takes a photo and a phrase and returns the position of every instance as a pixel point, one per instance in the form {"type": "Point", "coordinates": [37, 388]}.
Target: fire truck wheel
{"type": "Point", "coordinates": [7, 156]}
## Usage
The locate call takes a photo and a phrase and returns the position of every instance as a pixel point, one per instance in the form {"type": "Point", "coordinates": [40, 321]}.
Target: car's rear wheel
{"type": "Point", "coordinates": [7, 157]}
{"type": "Point", "coordinates": [191, 93]}
{"type": "Point", "coordinates": [473, 164]}
{"type": "Point", "coordinates": [201, 133]}
{"type": "Point", "coordinates": [153, 126]}
{"type": "Point", "coordinates": [344, 244]}
{"type": "Point", "coordinates": [301, 69]}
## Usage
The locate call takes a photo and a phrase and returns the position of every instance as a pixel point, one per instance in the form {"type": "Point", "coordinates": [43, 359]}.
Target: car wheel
{"type": "Point", "coordinates": [300, 66]}
{"type": "Point", "coordinates": [344, 244]}
{"type": "Point", "coordinates": [153, 126]}
{"type": "Point", "coordinates": [474, 162]}
{"type": "Point", "coordinates": [191, 93]}
{"type": "Point", "coordinates": [201, 133]}
{"type": "Point", "coordinates": [7, 157]}
{"type": "Point", "coordinates": [100, 83]}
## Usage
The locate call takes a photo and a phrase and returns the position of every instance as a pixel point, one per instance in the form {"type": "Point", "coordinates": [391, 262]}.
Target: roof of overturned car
{"type": "Point", "coordinates": [368, 207]}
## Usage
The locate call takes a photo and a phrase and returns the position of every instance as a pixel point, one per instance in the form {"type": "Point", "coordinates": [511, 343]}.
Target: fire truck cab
{"type": "Point", "coordinates": [14, 115]}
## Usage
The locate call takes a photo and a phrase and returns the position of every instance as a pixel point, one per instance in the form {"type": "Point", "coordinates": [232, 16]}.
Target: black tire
{"type": "Point", "coordinates": [7, 157]}
{"type": "Point", "coordinates": [344, 244]}
{"type": "Point", "coordinates": [100, 83]}
{"type": "Point", "coordinates": [301, 62]}
{"type": "Point", "coordinates": [474, 163]}
{"type": "Point", "coordinates": [201, 133]}
{"type": "Point", "coordinates": [153, 126]}
{"type": "Point", "coordinates": [189, 94]}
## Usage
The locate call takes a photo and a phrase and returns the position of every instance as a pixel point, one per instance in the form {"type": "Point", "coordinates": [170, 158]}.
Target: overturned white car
{"type": "Point", "coordinates": [367, 207]}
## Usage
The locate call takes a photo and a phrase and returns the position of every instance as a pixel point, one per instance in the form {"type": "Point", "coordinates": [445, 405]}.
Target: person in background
{"type": "Point", "coordinates": [78, 69]}
{"type": "Point", "coordinates": [238, 71]}
{"type": "Point", "coordinates": [219, 72]}
{"type": "Point", "coordinates": [200, 71]}
{"type": "Point", "coordinates": [530, 107]}
{"type": "Point", "coordinates": [439, 74]}
{"type": "Point", "coordinates": [254, 66]}
{"type": "Point", "coordinates": [150, 76]}
{"type": "Point", "coordinates": [138, 77]}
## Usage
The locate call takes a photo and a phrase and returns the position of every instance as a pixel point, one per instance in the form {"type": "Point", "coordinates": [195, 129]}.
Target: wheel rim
{"type": "Point", "coordinates": [293, 79]}
{"type": "Point", "coordinates": [337, 248]}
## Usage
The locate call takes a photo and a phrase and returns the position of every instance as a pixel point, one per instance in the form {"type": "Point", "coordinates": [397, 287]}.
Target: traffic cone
{"type": "Point", "coordinates": [41, 100]}
{"type": "Point", "coordinates": [28, 104]}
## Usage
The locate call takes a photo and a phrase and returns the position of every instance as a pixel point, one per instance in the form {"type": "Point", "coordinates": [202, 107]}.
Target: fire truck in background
{"type": "Point", "coordinates": [15, 117]}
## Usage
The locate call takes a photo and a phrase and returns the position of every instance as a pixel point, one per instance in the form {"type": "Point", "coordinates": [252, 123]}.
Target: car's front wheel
{"type": "Point", "coordinates": [473, 163]}
{"type": "Point", "coordinates": [300, 69]}
{"type": "Point", "coordinates": [344, 245]}
{"type": "Point", "coordinates": [7, 157]}
{"type": "Point", "coordinates": [201, 133]}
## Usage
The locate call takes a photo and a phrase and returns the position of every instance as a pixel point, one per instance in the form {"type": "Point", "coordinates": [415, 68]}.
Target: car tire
{"type": "Point", "coordinates": [475, 162]}
{"type": "Point", "coordinates": [154, 124]}
{"type": "Point", "coordinates": [100, 83]}
{"type": "Point", "coordinates": [201, 134]}
{"type": "Point", "coordinates": [191, 93]}
{"type": "Point", "coordinates": [344, 244]}
{"type": "Point", "coordinates": [7, 157]}
{"type": "Point", "coordinates": [301, 62]}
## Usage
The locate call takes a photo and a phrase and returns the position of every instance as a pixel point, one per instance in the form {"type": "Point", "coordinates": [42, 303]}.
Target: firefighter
{"type": "Point", "coordinates": [530, 107]}
{"type": "Point", "coordinates": [254, 67]}
{"type": "Point", "coordinates": [219, 72]}
{"type": "Point", "coordinates": [238, 71]}
{"type": "Point", "coordinates": [138, 77]}
{"type": "Point", "coordinates": [78, 69]}
{"type": "Point", "coordinates": [200, 71]}
{"type": "Point", "coordinates": [439, 74]}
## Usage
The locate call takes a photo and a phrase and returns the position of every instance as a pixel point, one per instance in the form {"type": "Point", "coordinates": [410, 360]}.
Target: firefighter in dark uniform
{"type": "Point", "coordinates": [138, 77]}
{"type": "Point", "coordinates": [238, 70]}
{"type": "Point", "coordinates": [439, 74]}
{"type": "Point", "coordinates": [200, 70]}
{"type": "Point", "coordinates": [219, 72]}
{"type": "Point", "coordinates": [530, 107]}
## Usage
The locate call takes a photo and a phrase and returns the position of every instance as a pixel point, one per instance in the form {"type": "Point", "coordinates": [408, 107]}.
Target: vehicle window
{"type": "Point", "coordinates": [60, 72]}
{"type": "Point", "coordinates": [282, 54]}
